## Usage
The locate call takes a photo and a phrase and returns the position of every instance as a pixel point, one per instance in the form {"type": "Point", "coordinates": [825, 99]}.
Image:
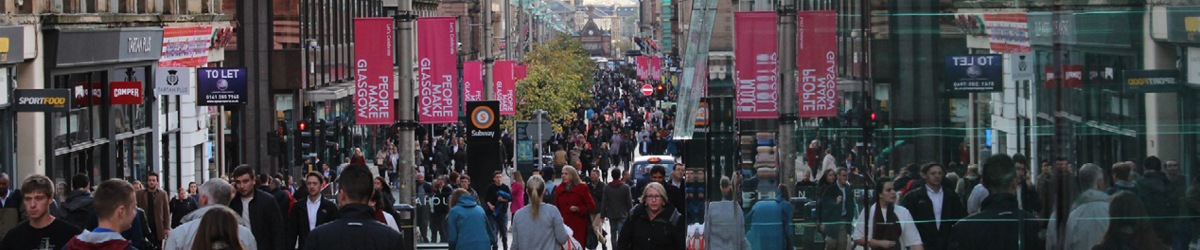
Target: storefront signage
{"type": "Point", "coordinates": [473, 81]}
{"type": "Point", "coordinates": [1183, 24]}
{"type": "Point", "coordinates": [185, 46]}
{"type": "Point", "coordinates": [505, 87]}
{"type": "Point", "coordinates": [101, 46]}
{"type": "Point", "coordinates": [173, 81]}
{"type": "Point", "coordinates": [817, 50]}
{"type": "Point", "coordinates": [970, 24]}
{"type": "Point", "coordinates": [126, 93]}
{"type": "Point", "coordinates": [220, 86]}
{"type": "Point", "coordinates": [1008, 32]}
{"type": "Point", "coordinates": [12, 44]}
{"type": "Point", "coordinates": [42, 100]}
{"type": "Point", "coordinates": [1022, 66]}
{"type": "Point", "coordinates": [756, 65]}
{"type": "Point", "coordinates": [974, 73]}
{"type": "Point", "coordinates": [374, 82]}
{"type": "Point", "coordinates": [437, 67]}
{"type": "Point", "coordinates": [4, 88]}
{"type": "Point", "coordinates": [1071, 76]}
{"type": "Point", "coordinates": [1148, 81]}
{"type": "Point", "coordinates": [1049, 28]}
{"type": "Point", "coordinates": [1193, 65]}
{"type": "Point", "coordinates": [87, 94]}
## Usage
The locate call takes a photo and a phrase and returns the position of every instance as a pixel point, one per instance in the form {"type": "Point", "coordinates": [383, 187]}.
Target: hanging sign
{"type": "Point", "coordinates": [42, 100]}
{"type": "Point", "coordinates": [1150, 81]}
{"type": "Point", "coordinates": [817, 63]}
{"type": "Point", "coordinates": [473, 81]}
{"type": "Point", "coordinates": [437, 49]}
{"type": "Point", "coordinates": [505, 87]}
{"type": "Point", "coordinates": [974, 73]}
{"type": "Point", "coordinates": [373, 84]}
{"type": "Point", "coordinates": [756, 65]}
{"type": "Point", "coordinates": [220, 86]}
{"type": "Point", "coordinates": [173, 81]}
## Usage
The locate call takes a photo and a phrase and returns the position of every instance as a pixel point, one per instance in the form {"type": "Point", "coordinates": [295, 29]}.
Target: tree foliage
{"type": "Point", "coordinates": [559, 80]}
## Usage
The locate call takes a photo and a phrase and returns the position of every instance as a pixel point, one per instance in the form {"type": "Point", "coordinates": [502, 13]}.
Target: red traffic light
{"type": "Point", "coordinates": [302, 126]}
{"type": "Point", "coordinates": [660, 87]}
{"type": "Point", "coordinates": [872, 116]}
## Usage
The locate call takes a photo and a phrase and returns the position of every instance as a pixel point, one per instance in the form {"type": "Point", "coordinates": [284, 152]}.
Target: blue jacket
{"type": "Point", "coordinates": [468, 227]}
{"type": "Point", "coordinates": [769, 224]}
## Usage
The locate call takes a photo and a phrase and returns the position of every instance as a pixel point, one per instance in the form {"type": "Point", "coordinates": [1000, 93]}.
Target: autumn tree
{"type": "Point", "coordinates": [559, 80]}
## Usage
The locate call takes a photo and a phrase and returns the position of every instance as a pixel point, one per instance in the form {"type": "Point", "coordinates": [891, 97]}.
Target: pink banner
{"type": "Point", "coordinates": [656, 68]}
{"type": "Point", "coordinates": [436, 63]}
{"type": "Point", "coordinates": [817, 63]}
{"type": "Point", "coordinates": [373, 83]}
{"type": "Point", "coordinates": [473, 81]}
{"type": "Point", "coordinates": [755, 66]}
{"type": "Point", "coordinates": [642, 68]}
{"type": "Point", "coordinates": [505, 87]}
{"type": "Point", "coordinates": [521, 72]}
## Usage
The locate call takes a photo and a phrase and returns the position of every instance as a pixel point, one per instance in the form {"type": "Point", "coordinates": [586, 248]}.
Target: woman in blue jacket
{"type": "Point", "coordinates": [467, 226]}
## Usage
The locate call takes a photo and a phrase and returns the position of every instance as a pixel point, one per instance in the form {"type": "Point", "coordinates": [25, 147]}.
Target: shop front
{"type": "Point", "coordinates": [109, 131]}
{"type": "Point", "coordinates": [11, 46]}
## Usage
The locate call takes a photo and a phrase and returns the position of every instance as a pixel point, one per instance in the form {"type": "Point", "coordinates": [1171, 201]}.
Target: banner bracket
{"type": "Point", "coordinates": [404, 16]}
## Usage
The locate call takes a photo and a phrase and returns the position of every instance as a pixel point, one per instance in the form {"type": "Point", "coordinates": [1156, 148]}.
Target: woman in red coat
{"type": "Point", "coordinates": [574, 201]}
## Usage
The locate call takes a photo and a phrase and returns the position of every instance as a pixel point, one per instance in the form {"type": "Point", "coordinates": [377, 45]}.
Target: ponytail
{"type": "Point", "coordinates": [533, 192]}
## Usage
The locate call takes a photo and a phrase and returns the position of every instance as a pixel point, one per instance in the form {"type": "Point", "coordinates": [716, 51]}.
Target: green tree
{"type": "Point", "coordinates": [559, 80]}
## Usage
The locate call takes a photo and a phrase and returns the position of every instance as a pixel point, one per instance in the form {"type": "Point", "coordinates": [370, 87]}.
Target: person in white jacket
{"type": "Point", "coordinates": [1089, 219]}
{"type": "Point", "coordinates": [878, 216]}
{"type": "Point", "coordinates": [829, 163]}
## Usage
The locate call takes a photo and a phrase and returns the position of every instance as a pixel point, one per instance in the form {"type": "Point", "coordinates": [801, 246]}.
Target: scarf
{"type": "Point", "coordinates": [886, 229]}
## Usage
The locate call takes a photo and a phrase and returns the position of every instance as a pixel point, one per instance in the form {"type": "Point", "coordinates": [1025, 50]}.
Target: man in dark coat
{"type": "Point", "coordinates": [935, 208]}
{"type": "Point", "coordinates": [1000, 224]}
{"type": "Point", "coordinates": [837, 210]}
{"type": "Point", "coordinates": [305, 216]}
{"type": "Point", "coordinates": [260, 209]}
{"type": "Point", "coordinates": [356, 225]}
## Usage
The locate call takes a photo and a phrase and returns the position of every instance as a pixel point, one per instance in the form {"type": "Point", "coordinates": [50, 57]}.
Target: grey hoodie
{"type": "Point", "coordinates": [181, 237]}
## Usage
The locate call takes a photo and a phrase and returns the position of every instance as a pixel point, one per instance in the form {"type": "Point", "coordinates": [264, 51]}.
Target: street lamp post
{"type": "Point", "coordinates": [539, 114]}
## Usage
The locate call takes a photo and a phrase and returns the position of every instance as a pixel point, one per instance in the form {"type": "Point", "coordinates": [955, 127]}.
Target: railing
{"type": "Point", "coordinates": [174, 7]}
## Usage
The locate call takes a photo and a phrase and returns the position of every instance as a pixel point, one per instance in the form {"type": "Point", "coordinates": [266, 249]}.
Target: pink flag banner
{"type": "Point", "coordinates": [656, 68]}
{"type": "Point", "coordinates": [473, 81]}
{"type": "Point", "coordinates": [641, 67]}
{"type": "Point", "coordinates": [505, 87]}
{"type": "Point", "coordinates": [374, 83]}
{"type": "Point", "coordinates": [755, 66]}
{"type": "Point", "coordinates": [437, 73]}
{"type": "Point", "coordinates": [521, 72]}
{"type": "Point", "coordinates": [817, 63]}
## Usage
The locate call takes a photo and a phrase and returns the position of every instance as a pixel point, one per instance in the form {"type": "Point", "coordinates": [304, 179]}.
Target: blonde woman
{"type": "Point", "coordinates": [573, 196]}
{"type": "Point", "coordinates": [652, 224]}
{"type": "Point", "coordinates": [538, 226]}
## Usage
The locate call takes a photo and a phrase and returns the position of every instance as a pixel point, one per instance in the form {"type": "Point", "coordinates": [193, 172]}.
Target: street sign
{"type": "Point", "coordinates": [528, 130]}
{"type": "Point", "coordinates": [647, 89]}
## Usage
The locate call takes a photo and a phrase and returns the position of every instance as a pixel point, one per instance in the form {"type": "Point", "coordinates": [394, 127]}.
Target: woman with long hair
{"type": "Point", "coordinates": [886, 225]}
{"type": "Point", "coordinates": [1128, 227]}
{"type": "Point", "coordinates": [383, 211]}
{"type": "Point", "coordinates": [538, 226]}
{"type": "Point", "coordinates": [518, 189]}
{"type": "Point", "coordinates": [218, 231]}
{"type": "Point", "coordinates": [573, 196]}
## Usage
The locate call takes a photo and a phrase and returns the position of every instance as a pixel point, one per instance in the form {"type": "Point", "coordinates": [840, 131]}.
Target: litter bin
{"type": "Point", "coordinates": [407, 222]}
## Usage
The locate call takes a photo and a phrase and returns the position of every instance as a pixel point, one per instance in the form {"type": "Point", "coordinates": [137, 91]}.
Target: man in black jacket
{"type": "Point", "coordinates": [78, 205]}
{"type": "Point", "coordinates": [497, 205]}
{"type": "Point", "coordinates": [311, 212]}
{"type": "Point", "coordinates": [260, 209]}
{"type": "Point", "coordinates": [934, 207]}
{"type": "Point", "coordinates": [356, 226]}
{"type": "Point", "coordinates": [996, 226]}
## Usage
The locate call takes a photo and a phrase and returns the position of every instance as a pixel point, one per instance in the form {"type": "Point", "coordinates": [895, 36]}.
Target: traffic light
{"type": "Point", "coordinates": [869, 123]}
{"type": "Point", "coordinates": [274, 142]}
{"type": "Point", "coordinates": [330, 134]}
{"type": "Point", "coordinates": [304, 139]}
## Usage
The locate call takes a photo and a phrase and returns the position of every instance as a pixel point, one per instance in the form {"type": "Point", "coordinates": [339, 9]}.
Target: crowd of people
{"type": "Point", "coordinates": [1148, 204]}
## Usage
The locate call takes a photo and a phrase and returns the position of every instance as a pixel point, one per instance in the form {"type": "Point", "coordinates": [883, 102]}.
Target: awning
{"type": "Point", "coordinates": [333, 92]}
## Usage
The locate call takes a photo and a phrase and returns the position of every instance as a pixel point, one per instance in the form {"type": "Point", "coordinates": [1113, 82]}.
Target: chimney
{"type": "Point", "coordinates": [591, 10]}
